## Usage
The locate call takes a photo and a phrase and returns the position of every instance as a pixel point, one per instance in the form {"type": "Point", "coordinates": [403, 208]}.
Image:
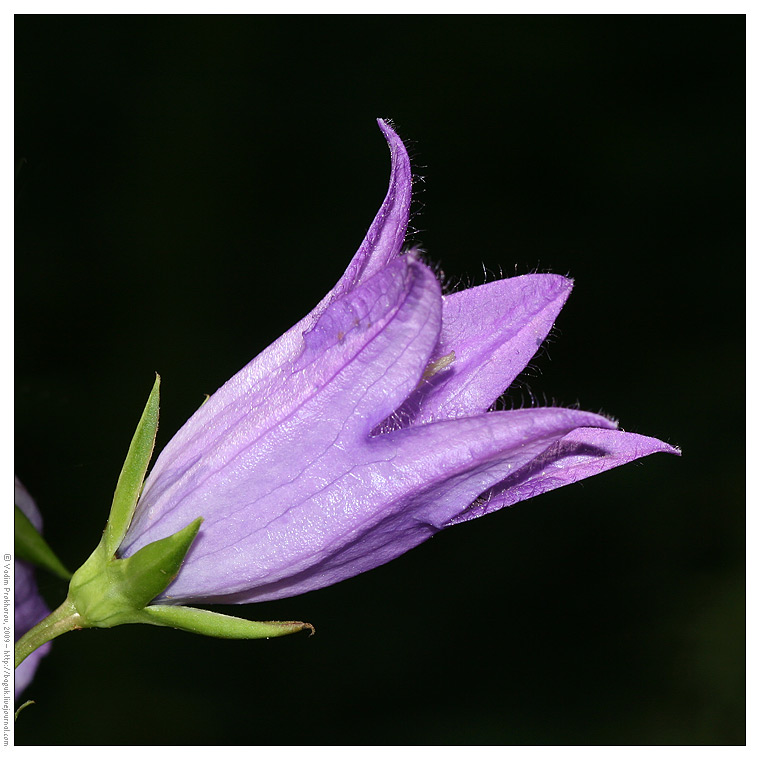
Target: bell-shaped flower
{"type": "Point", "coordinates": [364, 430]}
{"type": "Point", "coordinates": [30, 607]}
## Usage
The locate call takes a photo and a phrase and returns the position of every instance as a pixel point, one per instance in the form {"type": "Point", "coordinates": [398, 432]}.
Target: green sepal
{"type": "Point", "coordinates": [107, 591]}
{"type": "Point", "coordinates": [149, 571]}
{"type": "Point", "coordinates": [25, 705]}
{"type": "Point", "coordinates": [29, 545]}
{"type": "Point", "coordinates": [132, 474]}
{"type": "Point", "coordinates": [210, 623]}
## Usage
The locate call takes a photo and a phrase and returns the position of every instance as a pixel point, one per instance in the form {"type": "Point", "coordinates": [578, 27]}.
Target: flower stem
{"type": "Point", "coordinates": [65, 618]}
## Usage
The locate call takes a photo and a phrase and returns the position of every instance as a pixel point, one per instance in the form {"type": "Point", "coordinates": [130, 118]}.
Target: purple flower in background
{"type": "Point", "coordinates": [364, 429]}
{"type": "Point", "coordinates": [29, 605]}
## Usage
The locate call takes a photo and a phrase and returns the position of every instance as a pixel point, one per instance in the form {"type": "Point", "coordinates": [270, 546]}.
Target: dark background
{"type": "Point", "coordinates": [194, 185]}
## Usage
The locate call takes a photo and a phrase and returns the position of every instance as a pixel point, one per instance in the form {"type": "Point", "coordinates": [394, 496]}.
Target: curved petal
{"type": "Point", "coordinates": [28, 611]}
{"type": "Point", "coordinates": [580, 454]}
{"type": "Point", "coordinates": [493, 331]}
{"type": "Point", "coordinates": [274, 451]}
{"type": "Point", "coordinates": [381, 245]}
{"type": "Point", "coordinates": [26, 504]}
{"type": "Point", "coordinates": [343, 445]}
{"type": "Point", "coordinates": [383, 498]}
{"type": "Point", "coordinates": [385, 237]}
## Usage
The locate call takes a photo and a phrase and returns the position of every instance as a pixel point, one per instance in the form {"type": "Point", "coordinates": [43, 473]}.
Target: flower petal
{"type": "Point", "coordinates": [381, 245]}
{"type": "Point", "coordinates": [29, 609]}
{"type": "Point", "coordinates": [270, 452]}
{"type": "Point", "coordinates": [383, 498]}
{"type": "Point", "coordinates": [471, 454]}
{"type": "Point", "coordinates": [385, 237]}
{"type": "Point", "coordinates": [494, 330]}
{"type": "Point", "coordinates": [26, 504]}
{"type": "Point", "coordinates": [361, 431]}
{"type": "Point", "coordinates": [580, 454]}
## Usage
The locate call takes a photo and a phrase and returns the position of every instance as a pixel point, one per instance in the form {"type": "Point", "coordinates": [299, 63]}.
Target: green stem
{"type": "Point", "coordinates": [65, 618]}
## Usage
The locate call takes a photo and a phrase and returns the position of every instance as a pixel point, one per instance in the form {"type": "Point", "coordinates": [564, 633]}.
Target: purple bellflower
{"type": "Point", "coordinates": [364, 430]}
{"type": "Point", "coordinates": [30, 608]}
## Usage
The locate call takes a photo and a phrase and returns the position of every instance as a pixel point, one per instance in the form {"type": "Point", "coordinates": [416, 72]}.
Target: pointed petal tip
{"type": "Point", "coordinates": [612, 423]}
{"type": "Point", "coordinates": [559, 282]}
{"type": "Point", "coordinates": [549, 283]}
{"type": "Point", "coordinates": [656, 446]}
{"type": "Point", "coordinates": [390, 134]}
{"type": "Point", "coordinates": [560, 287]}
{"type": "Point", "coordinates": [582, 453]}
{"type": "Point", "coordinates": [638, 444]}
{"type": "Point", "coordinates": [385, 238]}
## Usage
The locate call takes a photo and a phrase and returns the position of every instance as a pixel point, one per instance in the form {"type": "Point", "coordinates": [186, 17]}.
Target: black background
{"type": "Point", "coordinates": [194, 185]}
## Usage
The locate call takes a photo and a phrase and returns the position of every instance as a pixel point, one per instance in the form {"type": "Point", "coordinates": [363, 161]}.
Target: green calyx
{"type": "Point", "coordinates": [132, 474]}
{"type": "Point", "coordinates": [108, 590]}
